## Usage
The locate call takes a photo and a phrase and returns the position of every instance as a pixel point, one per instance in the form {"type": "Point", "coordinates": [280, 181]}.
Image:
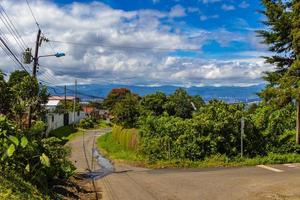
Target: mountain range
{"type": "Point", "coordinates": [229, 94]}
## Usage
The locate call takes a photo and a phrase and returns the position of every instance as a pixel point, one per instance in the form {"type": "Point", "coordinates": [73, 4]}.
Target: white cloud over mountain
{"type": "Point", "coordinates": [127, 47]}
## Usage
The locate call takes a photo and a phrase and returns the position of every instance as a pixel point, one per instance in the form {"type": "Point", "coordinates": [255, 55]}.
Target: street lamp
{"type": "Point", "coordinates": [28, 58]}
{"type": "Point", "coordinates": [58, 55]}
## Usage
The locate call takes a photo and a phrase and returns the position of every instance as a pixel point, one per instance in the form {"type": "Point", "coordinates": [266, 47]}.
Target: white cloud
{"type": "Point", "coordinates": [177, 11]}
{"type": "Point", "coordinates": [244, 4]}
{"type": "Point", "coordinates": [205, 17]}
{"type": "Point", "coordinates": [209, 1]}
{"type": "Point", "coordinates": [193, 10]}
{"type": "Point", "coordinates": [107, 62]}
{"type": "Point", "coordinates": [228, 7]}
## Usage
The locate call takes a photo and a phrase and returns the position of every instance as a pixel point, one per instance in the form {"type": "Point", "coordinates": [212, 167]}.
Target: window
{"type": "Point", "coordinates": [52, 118]}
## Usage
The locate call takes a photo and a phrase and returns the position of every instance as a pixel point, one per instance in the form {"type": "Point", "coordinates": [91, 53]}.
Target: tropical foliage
{"type": "Point", "coordinates": [37, 163]}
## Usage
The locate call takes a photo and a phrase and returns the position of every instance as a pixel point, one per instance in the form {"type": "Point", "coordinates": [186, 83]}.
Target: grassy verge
{"type": "Point", "coordinates": [15, 188]}
{"type": "Point", "coordinates": [113, 150]}
{"type": "Point", "coordinates": [103, 124]}
{"type": "Point", "coordinates": [66, 133]}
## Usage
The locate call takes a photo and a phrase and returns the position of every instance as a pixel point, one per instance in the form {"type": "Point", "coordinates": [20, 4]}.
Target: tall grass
{"type": "Point", "coordinates": [127, 138]}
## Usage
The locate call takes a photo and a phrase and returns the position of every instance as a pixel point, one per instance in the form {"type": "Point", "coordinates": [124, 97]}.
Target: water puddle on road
{"type": "Point", "coordinates": [106, 167]}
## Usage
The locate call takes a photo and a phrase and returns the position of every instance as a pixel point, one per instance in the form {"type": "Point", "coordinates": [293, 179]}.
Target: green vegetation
{"type": "Point", "coordinates": [103, 124]}
{"type": "Point", "coordinates": [127, 138]}
{"type": "Point", "coordinates": [206, 136]}
{"type": "Point", "coordinates": [66, 133]}
{"type": "Point", "coordinates": [86, 123]}
{"type": "Point", "coordinates": [183, 129]}
{"type": "Point", "coordinates": [114, 150]}
{"type": "Point", "coordinates": [31, 165]}
{"type": "Point", "coordinates": [40, 161]}
{"type": "Point", "coordinates": [14, 188]}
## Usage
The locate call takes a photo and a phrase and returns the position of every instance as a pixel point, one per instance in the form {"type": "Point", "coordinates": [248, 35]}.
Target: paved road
{"type": "Point", "coordinates": [257, 182]}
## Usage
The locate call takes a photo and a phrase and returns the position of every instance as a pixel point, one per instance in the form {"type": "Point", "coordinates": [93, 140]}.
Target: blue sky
{"type": "Point", "coordinates": [221, 34]}
{"type": "Point", "coordinates": [237, 16]}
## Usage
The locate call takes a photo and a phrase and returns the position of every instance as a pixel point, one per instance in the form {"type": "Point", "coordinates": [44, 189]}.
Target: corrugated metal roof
{"type": "Point", "coordinates": [53, 103]}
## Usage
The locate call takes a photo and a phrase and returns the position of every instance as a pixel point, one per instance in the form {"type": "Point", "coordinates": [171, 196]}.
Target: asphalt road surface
{"type": "Point", "coordinates": [257, 182]}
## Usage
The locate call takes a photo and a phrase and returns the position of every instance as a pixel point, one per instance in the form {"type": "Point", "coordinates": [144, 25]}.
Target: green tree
{"type": "Point", "coordinates": [179, 104]}
{"type": "Point", "coordinates": [5, 96]}
{"type": "Point", "coordinates": [154, 103]}
{"type": "Point", "coordinates": [114, 96]}
{"type": "Point", "coordinates": [28, 93]}
{"type": "Point", "coordinates": [282, 35]}
{"type": "Point", "coordinates": [126, 111]}
{"type": "Point", "coordinates": [16, 77]}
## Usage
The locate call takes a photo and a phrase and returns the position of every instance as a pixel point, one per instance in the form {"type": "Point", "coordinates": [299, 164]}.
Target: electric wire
{"type": "Point", "coordinates": [14, 56]}
{"type": "Point", "coordinates": [11, 30]}
{"type": "Point", "coordinates": [32, 14]}
{"type": "Point", "coordinates": [14, 28]}
{"type": "Point", "coordinates": [8, 54]}
{"type": "Point", "coordinates": [71, 90]}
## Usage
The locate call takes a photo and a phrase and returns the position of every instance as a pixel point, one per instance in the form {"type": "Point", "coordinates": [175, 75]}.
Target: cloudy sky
{"type": "Point", "coordinates": [142, 42]}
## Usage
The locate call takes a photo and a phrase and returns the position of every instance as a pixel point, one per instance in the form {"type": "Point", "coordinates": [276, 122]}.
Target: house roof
{"type": "Point", "coordinates": [53, 103]}
{"type": "Point", "coordinates": [61, 98]}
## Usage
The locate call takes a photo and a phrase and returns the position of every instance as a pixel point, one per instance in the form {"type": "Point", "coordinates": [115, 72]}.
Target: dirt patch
{"type": "Point", "coordinates": [77, 188]}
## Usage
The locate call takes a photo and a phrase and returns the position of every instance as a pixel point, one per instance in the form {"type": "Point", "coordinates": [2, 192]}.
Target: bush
{"type": "Point", "coordinates": [127, 138]}
{"type": "Point", "coordinates": [38, 127]}
{"type": "Point", "coordinates": [42, 162]}
{"type": "Point", "coordinates": [86, 123]}
{"type": "Point", "coordinates": [215, 129]}
{"type": "Point", "coordinates": [13, 187]}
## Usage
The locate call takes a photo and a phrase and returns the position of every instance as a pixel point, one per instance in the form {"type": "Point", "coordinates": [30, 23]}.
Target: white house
{"type": "Point", "coordinates": [55, 119]}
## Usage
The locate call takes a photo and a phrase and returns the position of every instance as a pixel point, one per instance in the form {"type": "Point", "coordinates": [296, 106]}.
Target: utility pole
{"type": "Point", "coordinates": [298, 122]}
{"type": "Point", "coordinates": [36, 53]}
{"type": "Point", "coordinates": [74, 106]}
{"type": "Point", "coordinates": [242, 135]}
{"type": "Point", "coordinates": [65, 107]}
{"type": "Point", "coordinates": [35, 64]}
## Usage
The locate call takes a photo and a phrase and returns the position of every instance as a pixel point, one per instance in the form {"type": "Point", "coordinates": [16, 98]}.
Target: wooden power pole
{"type": "Point", "coordinates": [298, 123]}
{"type": "Point", "coordinates": [34, 70]}
{"type": "Point", "coordinates": [74, 105]}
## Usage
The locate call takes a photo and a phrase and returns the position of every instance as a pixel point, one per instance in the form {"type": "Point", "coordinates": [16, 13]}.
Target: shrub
{"type": "Point", "coordinates": [127, 138]}
{"type": "Point", "coordinates": [42, 162]}
{"type": "Point", "coordinates": [38, 127]}
{"type": "Point", "coordinates": [86, 123]}
{"type": "Point", "coordinates": [13, 187]}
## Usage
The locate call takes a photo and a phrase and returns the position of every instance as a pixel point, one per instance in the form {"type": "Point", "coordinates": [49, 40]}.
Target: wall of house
{"type": "Point", "coordinates": [56, 120]}
{"type": "Point", "coordinates": [78, 116]}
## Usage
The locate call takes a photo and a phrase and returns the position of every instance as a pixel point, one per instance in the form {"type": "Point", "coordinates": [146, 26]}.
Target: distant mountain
{"type": "Point", "coordinates": [227, 93]}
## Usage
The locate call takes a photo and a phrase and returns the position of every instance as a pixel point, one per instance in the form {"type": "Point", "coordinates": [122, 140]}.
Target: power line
{"type": "Point", "coordinates": [32, 14]}
{"type": "Point", "coordinates": [11, 30]}
{"type": "Point", "coordinates": [14, 56]}
{"type": "Point", "coordinates": [8, 54]}
{"type": "Point", "coordinates": [124, 46]}
{"type": "Point", "coordinates": [71, 90]}
{"type": "Point", "coordinates": [14, 28]}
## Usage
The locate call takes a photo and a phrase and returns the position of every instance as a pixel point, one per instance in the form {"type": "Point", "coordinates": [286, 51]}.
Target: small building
{"type": "Point", "coordinates": [56, 119]}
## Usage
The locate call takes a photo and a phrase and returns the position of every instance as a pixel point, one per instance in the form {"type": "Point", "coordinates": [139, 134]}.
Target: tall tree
{"type": "Point", "coordinates": [114, 96]}
{"type": "Point", "coordinates": [5, 96]}
{"type": "Point", "coordinates": [282, 35]}
{"type": "Point", "coordinates": [180, 104]}
{"type": "Point", "coordinates": [126, 111]}
{"type": "Point", "coordinates": [154, 103]}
